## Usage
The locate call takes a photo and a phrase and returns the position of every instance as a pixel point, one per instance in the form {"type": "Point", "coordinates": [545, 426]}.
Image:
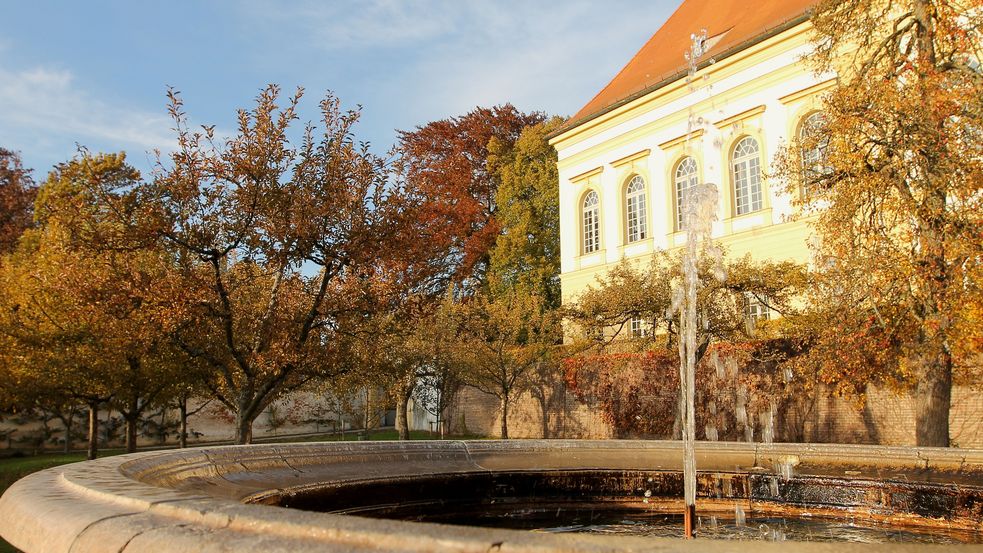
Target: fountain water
{"type": "Point", "coordinates": [700, 211]}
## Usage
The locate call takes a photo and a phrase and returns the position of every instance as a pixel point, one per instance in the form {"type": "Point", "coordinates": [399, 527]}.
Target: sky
{"type": "Point", "coordinates": [95, 73]}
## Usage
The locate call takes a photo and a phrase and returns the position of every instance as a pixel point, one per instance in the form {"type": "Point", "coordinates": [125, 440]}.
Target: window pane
{"type": "Point", "coordinates": [755, 310]}
{"type": "Point", "coordinates": [685, 178]}
{"type": "Point", "coordinates": [746, 167]}
{"type": "Point", "coordinates": [635, 206]}
{"type": "Point", "coordinates": [592, 227]}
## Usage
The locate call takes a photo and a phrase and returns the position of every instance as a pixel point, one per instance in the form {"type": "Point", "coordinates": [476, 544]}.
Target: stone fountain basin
{"type": "Point", "coordinates": [224, 498]}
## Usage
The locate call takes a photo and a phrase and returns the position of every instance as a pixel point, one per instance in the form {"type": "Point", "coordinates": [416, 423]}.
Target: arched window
{"type": "Point", "coordinates": [813, 149]}
{"type": "Point", "coordinates": [746, 168]}
{"type": "Point", "coordinates": [592, 224]}
{"type": "Point", "coordinates": [685, 178]}
{"type": "Point", "coordinates": [635, 204]}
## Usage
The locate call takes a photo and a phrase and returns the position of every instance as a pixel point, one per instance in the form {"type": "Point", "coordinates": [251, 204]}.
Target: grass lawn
{"type": "Point", "coordinates": [15, 468]}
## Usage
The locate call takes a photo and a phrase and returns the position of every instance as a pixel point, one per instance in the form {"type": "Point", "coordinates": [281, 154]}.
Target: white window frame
{"type": "Point", "coordinates": [635, 216]}
{"type": "Point", "coordinates": [686, 176]}
{"type": "Point", "coordinates": [590, 219]}
{"type": "Point", "coordinates": [746, 172]}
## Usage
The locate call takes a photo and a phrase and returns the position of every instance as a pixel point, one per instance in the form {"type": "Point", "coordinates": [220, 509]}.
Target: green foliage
{"type": "Point", "coordinates": [500, 343]}
{"type": "Point", "coordinates": [526, 254]}
{"type": "Point", "coordinates": [632, 291]}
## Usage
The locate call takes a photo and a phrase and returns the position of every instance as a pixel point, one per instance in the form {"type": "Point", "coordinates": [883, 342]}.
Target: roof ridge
{"type": "Point", "coordinates": [649, 68]}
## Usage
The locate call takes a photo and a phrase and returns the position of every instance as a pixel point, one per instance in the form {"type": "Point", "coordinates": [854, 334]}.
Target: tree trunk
{"type": "Point", "coordinates": [404, 393]}
{"type": "Point", "coordinates": [183, 431]}
{"type": "Point", "coordinates": [246, 413]}
{"type": "Point", "coordinates": [66, 421]}
{"type": "Point", "coordinates": [505, 416]}
{"type": "Point", "coordinates": [402, 417]}
{"type": "Point", "coordinates": [677, 419]}
{"type": "Point", "coordinates": [546, 415]}
{"type": "Point", "coordinates": [933, 398]}
{"type": "Point", "coordinates": [402, 422]}
{"type": "Point", "coordinates": [365, 421]}
{"type": "Point", "coordinates": [132, 416]}
{"type": "Point", "coordinates": [93, 430]}
{"type": "Point", "coordinates": [244, 429]}
{"type": "Point", "coordinates": [131, 432]}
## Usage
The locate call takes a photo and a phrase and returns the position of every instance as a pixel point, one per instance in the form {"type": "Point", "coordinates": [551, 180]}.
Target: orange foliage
{"type": "Point", "coordinates": [638, 393]}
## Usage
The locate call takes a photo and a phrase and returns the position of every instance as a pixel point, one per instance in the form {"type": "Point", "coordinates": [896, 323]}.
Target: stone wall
{"type": "Point", "coordinates": [476, 412]}
{"type": "Point", "coordinates": [298, 413]}
{"type": "Point", "coordinates": [886, 418]}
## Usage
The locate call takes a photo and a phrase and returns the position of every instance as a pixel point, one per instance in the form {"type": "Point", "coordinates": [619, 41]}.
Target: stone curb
{"type": "Point", "coordinates": [192, 500]}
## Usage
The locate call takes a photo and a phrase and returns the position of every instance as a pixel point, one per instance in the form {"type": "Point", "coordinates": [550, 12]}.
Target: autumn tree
{"type": "Point", "coordinates": [604, 312]}
{"type": "Point", "coordinates": [17, 192]}
{"type": "Point", "coordinates": [25, 387]}
{"type": "Point", "coordinates": [501, 341]}
{"type": "Point", "coordinates": [46, 344]}
{"type": "Point", "coordinates": [526, 254]}
{"type": "Point", "coordinates": [446, 161]}
{"type": "Point", "coordinates": [278, 243]}
{"type": "Point", "coordinates": [390, 358]}
{"type": "Point", "coordinates": [900, 210]}
{"type": "Point", "coordinates": [524, 261]}
{"type": "Point", "coordinates": [630, 312]}
{"type": "Point", "coordinates": [440, 377]}
{"type": "Point", "coordinates": [93, 300]}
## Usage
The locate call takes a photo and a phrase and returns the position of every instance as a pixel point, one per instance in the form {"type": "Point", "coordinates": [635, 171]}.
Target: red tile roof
{"type": "Point", "coordinates": [661, 59]}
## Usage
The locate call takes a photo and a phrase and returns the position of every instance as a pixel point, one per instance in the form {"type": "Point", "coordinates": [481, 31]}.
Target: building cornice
{"type": "Point", "coordinates": [806, 92]}
{"type": "Point", "coordinates": [670, 144]}
{"type": "Point", "coordinates": [630, 158]}
{"type": "Point", "coordinates": [580, 124]}
{"type": "Point", "coordinates": [744, 115]}
{"type": "Point", "coordinates": [588, 174]}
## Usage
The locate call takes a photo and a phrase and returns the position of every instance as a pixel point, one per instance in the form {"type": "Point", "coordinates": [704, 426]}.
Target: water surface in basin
{"type": "Point", "coordinates": [655, 524]}
{"type": "Point", "coordinates": [644, 503]}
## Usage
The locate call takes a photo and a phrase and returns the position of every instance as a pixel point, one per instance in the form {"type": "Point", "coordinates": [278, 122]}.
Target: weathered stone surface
{"type": "Point", "coordinates": [192, 500]}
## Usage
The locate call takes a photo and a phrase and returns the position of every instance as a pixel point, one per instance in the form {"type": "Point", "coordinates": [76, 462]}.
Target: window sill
{"type": "Point", "coordinates": [597, 257]}
{"type": "Point", "coordinates": [636, 248]}
{"type": "Point", "coordinates": [748, 221]}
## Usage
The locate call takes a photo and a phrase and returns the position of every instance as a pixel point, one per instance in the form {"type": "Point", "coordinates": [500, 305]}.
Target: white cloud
{"type": "Point", "coordinates": [544, 59]}
{"type": "Point", "coordinates": [45, 112]}
{"type": "Point", "coordinates": [455, 55]}
{"type": "Point", "coordinates": [348, 24]}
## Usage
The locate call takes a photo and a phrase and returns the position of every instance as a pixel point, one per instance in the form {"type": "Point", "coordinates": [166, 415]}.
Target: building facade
{"type": "Point", "coordinates": [663, 125]}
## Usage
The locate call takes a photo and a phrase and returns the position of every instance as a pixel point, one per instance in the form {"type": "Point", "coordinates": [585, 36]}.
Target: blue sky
{"type": "Point", "coordinates": [95, 73]}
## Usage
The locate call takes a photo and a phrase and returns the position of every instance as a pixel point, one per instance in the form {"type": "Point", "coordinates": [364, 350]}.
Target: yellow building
{"type": "Point", "coordinates": [628, 156]}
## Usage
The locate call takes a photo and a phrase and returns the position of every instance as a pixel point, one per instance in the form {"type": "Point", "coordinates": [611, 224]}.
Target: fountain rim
{"type": "Point", "coordinates": [194, 498]}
